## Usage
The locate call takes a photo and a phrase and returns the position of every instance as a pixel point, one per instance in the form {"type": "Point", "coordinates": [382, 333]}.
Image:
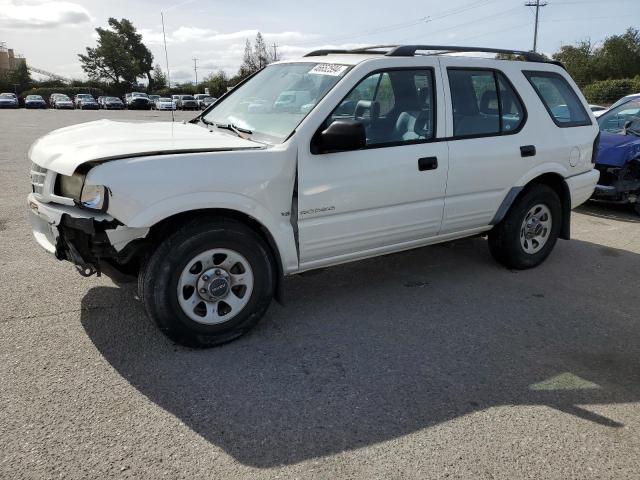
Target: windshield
{"type": "Point", "coordinates": [165, 100]}
{"type": "Point", "coordinates": [34, 97]}
{"type": "Point", "coordinates": [273, 103]}
{"type": "Point", "coordinates": [6, 95]}
{"type": "Point", "coordinates": [62, 97]}
{"type": "Point", "coordinates": [139, 95]}
{"type": "Point", "coordinates": [113, 99]}
{"type": "Point", "coordinates": [615, 119]}
{"type": "Point", "coordinates": [187, 97]}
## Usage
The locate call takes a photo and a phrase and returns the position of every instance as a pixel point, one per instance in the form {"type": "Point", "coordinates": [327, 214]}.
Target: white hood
{"type": "Point", "coordinates": [66, 149]}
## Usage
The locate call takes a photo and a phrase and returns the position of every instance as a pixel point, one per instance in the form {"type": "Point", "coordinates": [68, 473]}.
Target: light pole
{"type": "Point", "coordinates": [195, 69]}
{"type": "Point", "coordinates": [538, 5]}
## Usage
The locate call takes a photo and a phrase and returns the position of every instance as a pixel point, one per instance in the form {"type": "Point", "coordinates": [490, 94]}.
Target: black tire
{"type": "Point", "coordinates": [504, 239]}
{"type": "Point", "coordinates": [159, 276]}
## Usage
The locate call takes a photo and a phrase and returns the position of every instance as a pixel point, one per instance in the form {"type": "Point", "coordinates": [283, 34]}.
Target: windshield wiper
{"type": "Point", "coordinates": [241, 132]}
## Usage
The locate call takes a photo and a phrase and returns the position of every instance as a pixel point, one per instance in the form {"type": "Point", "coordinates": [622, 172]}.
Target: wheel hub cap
{"type": "Point", "coordinates": [536, 228]}
{"type": "Point", "coordinates": [214, 284]}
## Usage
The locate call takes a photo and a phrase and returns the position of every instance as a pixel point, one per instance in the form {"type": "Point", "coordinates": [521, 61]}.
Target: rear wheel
{"type": "Point", "coordinates": [209, 283]}
{"type": "Point", "coordinates": [529, 231]}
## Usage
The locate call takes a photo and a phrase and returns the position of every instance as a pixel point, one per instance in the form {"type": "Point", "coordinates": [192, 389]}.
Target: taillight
{"type": "Point", "coordinates": [594, 153]}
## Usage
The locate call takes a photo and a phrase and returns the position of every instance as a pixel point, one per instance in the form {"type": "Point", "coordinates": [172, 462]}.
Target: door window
{"type": "Point", "coordinates": [559, 98]}
{"type": "Point", "coordinates": [484, 103]}
{"type": "Point", "coordinates": [395, 106]}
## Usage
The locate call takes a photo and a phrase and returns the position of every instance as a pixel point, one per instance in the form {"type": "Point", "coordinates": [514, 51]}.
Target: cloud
{"type": "Point", "coordinates": [205, 35]}
{"type": "Point", "coordinates": [16, 14]}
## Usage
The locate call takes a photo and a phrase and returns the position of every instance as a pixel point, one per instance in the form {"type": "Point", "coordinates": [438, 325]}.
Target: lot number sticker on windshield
{"type": "Point", "coordinates": [328, 69]}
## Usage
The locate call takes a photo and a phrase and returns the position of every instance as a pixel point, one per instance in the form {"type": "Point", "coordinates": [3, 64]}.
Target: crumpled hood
{"type": "Point", "coordinates": [66, 149]}
{"type": "Point", "coordinates": [615, 150]}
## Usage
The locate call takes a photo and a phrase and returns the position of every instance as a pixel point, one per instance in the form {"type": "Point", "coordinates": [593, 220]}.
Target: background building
{"type": "Point", "coordinates": [8, 60]}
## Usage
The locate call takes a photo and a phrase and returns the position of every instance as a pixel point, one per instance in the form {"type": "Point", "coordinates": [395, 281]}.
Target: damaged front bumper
{"type": "Point", "coordinates": [619, 184]}
{"type": "Point", "coordinates": [93, 242]}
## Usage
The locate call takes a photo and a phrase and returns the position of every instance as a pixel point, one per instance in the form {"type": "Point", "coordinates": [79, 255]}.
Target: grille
{"type": "Point", "coordinates": [38, 175]}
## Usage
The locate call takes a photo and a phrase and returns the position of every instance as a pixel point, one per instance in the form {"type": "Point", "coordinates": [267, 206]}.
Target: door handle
{"type": "Point", "coordinates": [528, 151]}
{"type": "Point", "coordinates": [427, 163]}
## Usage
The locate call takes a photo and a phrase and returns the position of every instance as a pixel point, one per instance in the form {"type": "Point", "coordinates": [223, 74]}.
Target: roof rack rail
{"type": "Point", "coordinates": [375, 49]}
{"type": "Point", "coordinates": [411, 50]}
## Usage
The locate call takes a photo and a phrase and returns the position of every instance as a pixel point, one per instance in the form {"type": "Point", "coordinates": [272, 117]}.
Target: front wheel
{"type": "Point", "coordinates": [208, 283]}
{"type": "Point", "coordinates": [529, 231]}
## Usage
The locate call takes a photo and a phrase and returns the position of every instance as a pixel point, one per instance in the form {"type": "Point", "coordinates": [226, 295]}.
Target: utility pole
{"type": "Point", "coordinates": [538, 5]}
{"type": "Point", "coordinates": [275, 52]}
{"type": "Point", "coordinates": [195, 69]}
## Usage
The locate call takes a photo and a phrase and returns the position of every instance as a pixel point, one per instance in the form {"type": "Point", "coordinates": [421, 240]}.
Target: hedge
{"type": "Point", "coordinates": [609, 91]}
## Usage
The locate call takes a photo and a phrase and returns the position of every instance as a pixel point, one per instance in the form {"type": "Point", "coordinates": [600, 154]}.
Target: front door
{"type": "Point", "coordinates": [357, 203]}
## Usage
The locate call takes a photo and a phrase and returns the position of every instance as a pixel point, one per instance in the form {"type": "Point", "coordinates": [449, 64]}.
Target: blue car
{"type": "Point", "coordinates": [619, 155]}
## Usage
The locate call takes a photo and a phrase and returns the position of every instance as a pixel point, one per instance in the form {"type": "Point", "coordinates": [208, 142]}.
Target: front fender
{"type": "Point", "coordinates": [279, 228]}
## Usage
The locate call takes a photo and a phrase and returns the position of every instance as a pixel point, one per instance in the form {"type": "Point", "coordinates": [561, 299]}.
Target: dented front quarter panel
{"type": "Point", "coordinates": [258, 183]}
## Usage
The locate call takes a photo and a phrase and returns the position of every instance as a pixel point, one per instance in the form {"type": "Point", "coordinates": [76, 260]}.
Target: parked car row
{"type": "Point", "coordinates": [132, 101]}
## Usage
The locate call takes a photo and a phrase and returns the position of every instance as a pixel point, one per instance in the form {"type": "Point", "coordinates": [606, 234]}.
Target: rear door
{"type": "Point", "coordinates": [389, 194]}
{"type": "Point", "coordinates": [490, 149]}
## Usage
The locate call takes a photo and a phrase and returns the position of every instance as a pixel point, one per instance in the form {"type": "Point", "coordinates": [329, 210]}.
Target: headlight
{"type": "Point", "coordinates": [91, 197]}
{"type": "Point", "coordinates": [94, 197]}
{"type": "Point", "coordinates": [71, 186]}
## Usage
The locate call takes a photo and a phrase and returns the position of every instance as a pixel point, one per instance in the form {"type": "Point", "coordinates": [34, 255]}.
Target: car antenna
{"type": "Point", "coordinates": [166, 56]}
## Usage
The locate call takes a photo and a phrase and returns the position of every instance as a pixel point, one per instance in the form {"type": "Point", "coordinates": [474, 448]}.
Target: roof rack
{"type": "Point", "coordinates": [374, 49]}
{"type": "Point", "coordinates": [411, 50]}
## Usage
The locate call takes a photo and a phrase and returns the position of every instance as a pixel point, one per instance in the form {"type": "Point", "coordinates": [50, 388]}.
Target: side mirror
{"type": "Point", "coordinates": [342, 135]}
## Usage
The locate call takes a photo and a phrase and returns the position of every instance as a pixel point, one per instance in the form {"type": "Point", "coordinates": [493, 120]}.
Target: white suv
{"type": "Point", "coordinates": [391, 149]}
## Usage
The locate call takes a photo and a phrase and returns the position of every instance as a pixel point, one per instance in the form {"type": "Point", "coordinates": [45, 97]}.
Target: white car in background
{"type": "Point", "coordinates": [165, 103]}
{"type": "Point", "coordinates": [597, 110]}
{"type": "Point", "coordinates": [199, 99]}
{"type": "Point", "coordinates": [62, 101]}
{"type": "Point", "coordinates": [625, 99]}
{"type": "Point", "coordinates": [399, 150]}
{"type": "Point", "coordinates": [8, 100]}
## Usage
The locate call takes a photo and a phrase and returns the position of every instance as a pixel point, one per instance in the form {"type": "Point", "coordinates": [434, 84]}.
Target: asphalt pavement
{"type": "Point", "coordinates": [433, 363]}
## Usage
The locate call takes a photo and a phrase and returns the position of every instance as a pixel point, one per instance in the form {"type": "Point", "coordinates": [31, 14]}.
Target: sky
{"type": "Point", "coordinates": [50, 34]}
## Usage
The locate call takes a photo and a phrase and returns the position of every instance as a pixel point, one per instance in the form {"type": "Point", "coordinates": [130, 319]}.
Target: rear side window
{"type": "Point", "coordinates": [484, 103]}
{"type": "Point", "coordinates": [559, 98]}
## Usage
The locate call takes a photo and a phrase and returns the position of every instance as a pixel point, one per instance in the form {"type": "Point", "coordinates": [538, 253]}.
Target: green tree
{"type": "Point", "coordinates": [140, 55]}
{"type": "Point", "coordinates": [21, 77]}
{"type": "Point", "coordinates": [120, 56]}
{"type": "Point", "coordinates": [249, 65]}
{"type": "Point", "coordinates": [260, 55]}
{"type": "Point", "coordinates": [217, 84]}
{"type": "Point", "coordinates": [579, 61]}
{"type": "Point", "coordinates": [619, 56]}
{"type": "Point", "coordinates": [159, 78]}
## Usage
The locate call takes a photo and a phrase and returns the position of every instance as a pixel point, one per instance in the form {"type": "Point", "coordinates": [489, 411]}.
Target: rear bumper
{"type": "Point", "coordinates": [581, 187]}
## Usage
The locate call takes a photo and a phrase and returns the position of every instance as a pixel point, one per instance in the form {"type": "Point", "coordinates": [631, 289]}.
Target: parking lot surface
{"type": "Point", "coordinates": [434, 363]}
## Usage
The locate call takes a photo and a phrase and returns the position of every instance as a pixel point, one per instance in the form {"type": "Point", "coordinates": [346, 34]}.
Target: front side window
{"type": "Point", "coordinates": [484, 103]}
{"type": "Point", "coordinates": [395, 106]}
{"type": "Point", "coordinates": [559, 98]}
{"type": "Point", "coordinates": [273, 102]}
